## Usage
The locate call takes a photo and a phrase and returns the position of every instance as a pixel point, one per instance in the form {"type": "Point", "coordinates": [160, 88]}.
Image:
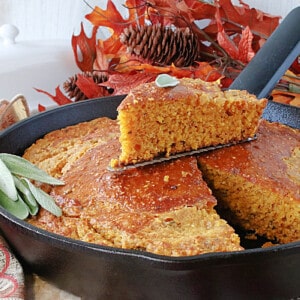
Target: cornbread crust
{"type": "Point", "coordinates": [194, 114]}
{"type": "Point", "coordinates": [56, 152]}
{"type": "Point", "coordinates": [165, 209]}
{"type": "Point", "coordinates": [258, 183]}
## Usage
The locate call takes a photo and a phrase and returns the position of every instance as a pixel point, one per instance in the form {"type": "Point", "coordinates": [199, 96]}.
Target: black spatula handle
{"type": "Point", "coordinates": [269, 64]}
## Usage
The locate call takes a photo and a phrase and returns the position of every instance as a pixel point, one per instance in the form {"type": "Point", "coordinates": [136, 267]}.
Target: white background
{"type": "Point", "coordinates": [59, 19]}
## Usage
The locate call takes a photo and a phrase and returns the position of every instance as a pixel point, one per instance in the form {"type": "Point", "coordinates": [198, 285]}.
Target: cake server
{"type": "Point", "coordinates": [259, 77]}
{"type": "Point", "coordinates": [161, 159]}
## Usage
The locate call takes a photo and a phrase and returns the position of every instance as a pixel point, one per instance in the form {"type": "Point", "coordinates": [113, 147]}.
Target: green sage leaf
{"type": "Point", "coordinates": [33, 209]}
{"type": "Point", "coordinates": [17, 208]}
{"type": "Point", "coordinates": [165, 80]}
{"type": "Point", "coordinates": [26, 195]}
{"type": "Point", "coordinates": [7, 185]}
{"type": "Point", "coordinates": [45, 200]}
{"type": "Point", "coordinates": [22, 187]}
{"type": "Point", "coordinates": [22, 167]}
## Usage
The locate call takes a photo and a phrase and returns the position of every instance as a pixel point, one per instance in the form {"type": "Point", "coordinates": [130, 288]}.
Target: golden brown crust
{"type": "Point", "coordinates": [165, 209]}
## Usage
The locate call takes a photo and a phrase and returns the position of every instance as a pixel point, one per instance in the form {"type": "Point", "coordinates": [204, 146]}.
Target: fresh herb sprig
{"type": "Point", "coordinates": [18, 194]}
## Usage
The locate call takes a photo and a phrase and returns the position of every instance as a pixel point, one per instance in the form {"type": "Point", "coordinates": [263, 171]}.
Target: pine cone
{"type": "Point", "coordinates": [162, 45]}
{"type": "Point", "coordinates": [74, 92]}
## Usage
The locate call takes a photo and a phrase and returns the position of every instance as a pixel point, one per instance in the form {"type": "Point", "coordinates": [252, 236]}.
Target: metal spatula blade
{"type": "Point", "coordinates": [177, 155]}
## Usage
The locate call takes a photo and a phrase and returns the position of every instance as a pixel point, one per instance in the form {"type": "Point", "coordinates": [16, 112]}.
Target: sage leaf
{"type": "Point", "coordinates": [22, 167]}
{"type": "Point", "coordinates": [45, 200]}
{"type": "Point", "coordinates": [17, 208]}
{"type": "Point", "coordinates": [33, 209]}
{"type": "Point", "coordinates": [26, 195]}
{"type": "Point", "coordinates": [7, 185]}
{"type": "Point", "coordinates": [165, 80]}
{"type": "Point", "coordinates": [22, 187]}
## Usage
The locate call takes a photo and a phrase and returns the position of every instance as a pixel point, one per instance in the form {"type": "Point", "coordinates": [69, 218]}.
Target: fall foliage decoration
{"type": "Point", "coordinates": [72, 86]}
{"type": "Point", "coordinates": [182, 38]}
{"type": "Point", "coordinates": [161, 45]}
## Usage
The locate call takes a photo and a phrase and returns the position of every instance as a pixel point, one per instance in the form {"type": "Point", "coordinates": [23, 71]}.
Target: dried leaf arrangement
{"type": "Point", "coordinates": [18, 194]}
{"type": "Point", "coordinates": [211, 40]}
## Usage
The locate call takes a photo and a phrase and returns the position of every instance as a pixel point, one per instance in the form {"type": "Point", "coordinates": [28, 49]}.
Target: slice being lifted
{"type": "Point", "coordinates": [157, 121]}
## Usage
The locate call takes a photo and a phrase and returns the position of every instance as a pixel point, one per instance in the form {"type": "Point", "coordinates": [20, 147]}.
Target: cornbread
{"type": "Point", "coordinates": [165, 209]}
{"type": "Point", "coordinates": [194, 114]}
{"type": "Point", "coordinates": [257, 184]}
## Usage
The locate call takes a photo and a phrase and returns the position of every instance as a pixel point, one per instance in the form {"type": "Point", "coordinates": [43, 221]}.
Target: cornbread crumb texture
{"type": "Point", "coordinates": [165, 209]}
{"type": "Point", "coordinates": [56, 152]}
{"type": "Point", "coordinates": [194, 114]}
{"type": "Point", "coordinates": [258, 183]}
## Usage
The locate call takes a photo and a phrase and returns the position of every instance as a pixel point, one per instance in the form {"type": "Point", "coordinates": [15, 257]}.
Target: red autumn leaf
{"type": "Point", "coordinates": [123, 83]}
{"type": "Point", "coordinates": [84, 49]}
{"type": "Point", "coordinates": [41, 108]}
{"type": "Point", "coordinates": [224, 40]}
{"type": "Point", "coordinates": [179, 13]}
{"type": "Point", "coordinates": [137, 10]}
{"type": "Point", "coordinates": [226, 82]}
{"type": "Point", "coordinates": [246, 52]}
{"type": "Point", "coordinates": [111, 46]}
{"type": "Point", "coordinates": [259, 22]}
{"type": "Point", "coordinates": [110, 17]}
{"type": "Point", "coordinates": [89, 87]}
{"type": "Point", "coordinates": [296, 65]}
{"type": "Point", "coordinates": [131, 68]}
{"type": "Point", "coordinates": [113, 19]}
{"type": "Point", "coordinates": [206, 72]}
{"type": "Point", "coordinates": [243, 50]}
{"type": "Point", "coordinates": [58, 98]}
{"type": "Point", "coordinates": [101, 62]}
{"type": "Point", "coordinates": [199, 10]}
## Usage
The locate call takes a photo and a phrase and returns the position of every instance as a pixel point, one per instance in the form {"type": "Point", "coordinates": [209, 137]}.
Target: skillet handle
{"type": "Point", "coordinates": [269, 64]}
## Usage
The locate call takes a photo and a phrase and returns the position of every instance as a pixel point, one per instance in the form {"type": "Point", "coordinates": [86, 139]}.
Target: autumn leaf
{"type": "Point", "coordinates": [122, 83]}
{"type": "Point", "coordinates": [236, 16]}
{"type": "Point", "coordinates": [91, 89]}
{"type": "Point", "coordinates": [109, 17]}
{"type": "Point", "coordinates": [206, 72]}
{"type": "Point", "coordinates": [245, 50]}
{"type": "Point", "coordinates": [101, 62]}
{"type": "Point", "coordinates": [196, 10]}
{"type": "Point", "coordinates": [113, 19]}
{"type": "Point", "coordinates": [224, 40]}
{"type": "Point", "coordinates": [84, 49]}
{"type": "Point", "coordinates": [286, 97]}
{"type": "Point", "coordinates": [130, 66]}
{"type": "Point", "coordinates": [296, 66]}
{"type": "Point", "coordinates": [41, 108]}
{"type": "Point", "coordinates": [58, 98]}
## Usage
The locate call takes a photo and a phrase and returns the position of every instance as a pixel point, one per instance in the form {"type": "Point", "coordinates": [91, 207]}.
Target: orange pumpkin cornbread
{"type": "Point", "coordinates": [164, 209]}
{"type": "Point", "coordinates": [194, 114]}
{"type": "Point", "coordinates": [258, 183]}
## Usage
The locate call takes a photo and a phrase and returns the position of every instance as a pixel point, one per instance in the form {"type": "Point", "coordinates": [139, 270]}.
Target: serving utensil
{"type": "Point", "coordinates": [161, 159]}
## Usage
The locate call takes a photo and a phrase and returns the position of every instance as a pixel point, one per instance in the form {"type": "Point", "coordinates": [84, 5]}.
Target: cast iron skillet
{"type": "Point", "coordinates": [98, 272]}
